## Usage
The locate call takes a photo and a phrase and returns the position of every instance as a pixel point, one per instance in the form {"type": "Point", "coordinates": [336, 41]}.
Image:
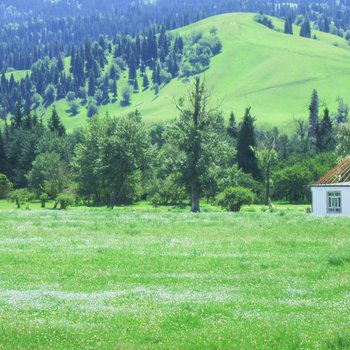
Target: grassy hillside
{"type": "Point", "coordinates": [149, 279]}
{"type": "Point", "coordinates": [266, 69]}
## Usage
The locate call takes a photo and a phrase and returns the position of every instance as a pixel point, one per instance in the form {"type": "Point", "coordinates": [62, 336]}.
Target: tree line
{"type": "Point", "coordinates": [198, 156]}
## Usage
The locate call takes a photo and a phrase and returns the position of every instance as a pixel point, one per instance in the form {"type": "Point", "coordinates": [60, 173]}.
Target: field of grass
{"type": "Point", "coordinates": [259, 67]}
{"type": "Point", "coordinates": [142, 278]}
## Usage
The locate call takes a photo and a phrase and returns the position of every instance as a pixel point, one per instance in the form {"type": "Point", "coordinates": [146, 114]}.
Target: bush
{"type": "Point", "coordinates": [21, 196]}
{"type": "Point", "coordinates": [126, 95]}
{"type": "Point", "coordinates": [264, 20]}
{"type": "Point", "coordinates": [92, 108]}
{"type": "Point", "coordinates": [65, 200]}
{"type": "Point", "coordinates": [156, 200]}
{"type": "Point", "coordinates": [293, 183]}
{"type": "Point", "coordinates": [5, 186]}
{"type": "Point", "coordinates": [74, 107]}
{"type": "Point", "coordinates": [50, 93]}
{"type": "Point", "coordinates": [233, 198]}
{"type": "Point", "coordinates": [43, 199]}
{"type": "Point", "coordinates": [70, 96]}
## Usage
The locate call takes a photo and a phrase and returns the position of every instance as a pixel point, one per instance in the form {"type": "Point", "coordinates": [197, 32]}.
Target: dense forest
{"type": "Point", "coordinates": [38, 35]}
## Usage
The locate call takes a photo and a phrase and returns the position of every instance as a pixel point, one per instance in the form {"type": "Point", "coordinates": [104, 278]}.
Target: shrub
{"type": "Point", "coordinates": [156, 200]}
{"type": "Point", "coordinates": [21, 196]}
{"type": "Point", "coordinates": [264, 20]}
{"type": "Point", "coordinates": [5, 186]}
{"type": "Point", "coordinates": [126, 95]}
{"type": "Point", "coordinates": [43, 199]}
{"type": "Point", "coordinates": [92, 108]}
{"type": "Point", "coordinates": [50, 93]}
{"type": "Point", "coordinates": [74, 107]}
{"type": "Point", "coordinates": [70, 96]}
{"type": "Point", "coordinates": [233, 198]}
{"type": "Point", "coordinates": [65, 200]}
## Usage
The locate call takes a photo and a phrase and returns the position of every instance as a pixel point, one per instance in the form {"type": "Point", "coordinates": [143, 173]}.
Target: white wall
{"type": "Point", "coordinates": [319, 200]}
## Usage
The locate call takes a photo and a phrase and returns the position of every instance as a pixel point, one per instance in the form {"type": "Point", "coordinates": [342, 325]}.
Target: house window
{"type": "Point", "coordinates": [334, 202]}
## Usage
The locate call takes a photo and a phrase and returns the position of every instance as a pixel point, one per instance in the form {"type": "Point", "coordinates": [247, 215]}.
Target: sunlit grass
{"type": "Point", "coordinates": [141, 277]}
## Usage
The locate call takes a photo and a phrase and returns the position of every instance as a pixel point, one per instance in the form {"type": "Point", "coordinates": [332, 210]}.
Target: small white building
{"type": "Point", "coordinates": [331, 194]}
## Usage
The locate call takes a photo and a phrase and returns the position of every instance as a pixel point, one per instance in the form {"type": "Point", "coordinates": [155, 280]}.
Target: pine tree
{"type": "Point", "coordinates": [326, 130]}
{"type": "Point", "coordinates": [163, 42]}
{"type": "Point", "coordinates": [55, 124]}
{"type": "Point", "coordinates": [288, 25]}
{"type": "Point", "coordinates": [326, 26]}
{"type": "Point", "coordinates": [132, 68]}
{"type": "Point", "coordinates": [143, 67]}
{"type": "Point", "coordinates": [105, 89]}
{"type": "Point", "coordinates": [342, 112]}
{"type": "Point", "coordinates": [114, 89]}
{"type": "Point", "coordinates": [113, 73]}
{"type": "Point", "coordinates": [136, 86]}
{"type": "Point", "coordinates": [313, 117]}
{"type": "Point", "coordinates": [156, 74]}
{"type": "Point", "coordinates": [60, 63]}
{"type": "Point", "coordinates": [91, 84]}
{"type": "Point", "coordinates": [232, 127]}
{"type": "Point", "coordinates": [305, 30]}
{"type": "Point", "coordinates": [18, 117]}
{"type": "Point", "coordinates": [145, 83]}
{"type": "Point", "coordinates": [246, 142]}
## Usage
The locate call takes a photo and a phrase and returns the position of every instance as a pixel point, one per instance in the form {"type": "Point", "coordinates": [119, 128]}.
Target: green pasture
{"type": "Point", "coordinates": [160, 278]}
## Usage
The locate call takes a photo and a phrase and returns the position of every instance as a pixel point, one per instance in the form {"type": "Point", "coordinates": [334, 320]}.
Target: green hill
{"type": "Point", "coordinates": [263, 68]}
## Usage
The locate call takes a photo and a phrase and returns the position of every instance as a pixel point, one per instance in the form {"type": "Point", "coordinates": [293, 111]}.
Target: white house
{"type": "Point", "coordinates": [331, 194]}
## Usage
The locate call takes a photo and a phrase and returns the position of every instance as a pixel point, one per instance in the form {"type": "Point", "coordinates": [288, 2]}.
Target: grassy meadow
{"type": "Point", "coordinates": [273, 72]}
{"type": "Point", "coordinates": [144, 278]}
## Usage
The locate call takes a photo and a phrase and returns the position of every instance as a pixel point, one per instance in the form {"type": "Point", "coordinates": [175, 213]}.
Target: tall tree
{"type": "Point", "coordinates": [267, 156]}
{"type": "Point", "coordinates": [91, 84]}
{"type": "Point", "coordinates": [145, 82]}
{"type": "Point", "coordinates": [196, 135]}
{"type": "Point", "coordinates": [288, 25]}
{"type": "Point", "coordinates": [305, 30]}
{"type": "Point", "coordinates": [232, 126]}
{"type": "Point", "coordinates": [313, 116]}
{"type": "Point", "coordinates": [342, 112]}
{"type": "Point", "coordinates": [246, 142]}
{"type": "Point", "coordinates": [55, 123]}
{"type": "Point", "coordinates": [326, 132]}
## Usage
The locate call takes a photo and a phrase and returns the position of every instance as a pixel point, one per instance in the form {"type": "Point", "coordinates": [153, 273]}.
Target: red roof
{"type": "Point", "coordinates": [340, 174]}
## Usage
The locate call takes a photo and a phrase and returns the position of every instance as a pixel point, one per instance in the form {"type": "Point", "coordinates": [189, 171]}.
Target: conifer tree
{"type": "Point", "coordinates": [114, 89]}
{"type": "Point", "coordinates": [18, 117]}
{"type": "Point", "coordinates": [91, 84]}
{"type": "Point", "coordinates": [145, 83]}
{"type": "Point", "coordinates": [60, 63]}
{"type": "Point", "coordinates": [326, 26]}
{"type": "Point", "coordinates": [113, 73]}
{"type": "Point", "coordinates": [305, 30]}
{"type": "Point", "coordinates": [326, 129]}
{"type": "Point", "coordinates": [136, 86]}
{"type": "Point", "coordinates": [132, 68]}
{"type": "Point", "coordinates": [232, 126]}
{"type": "Point", "coordinates": [313, 117]}
{"type": "Point", "coordinates": [105, 89]}
{"type": "Point", "coordinates": [288, 25]}
{"type": "Point", "coordinates": [246, 142]}
{"type": "Point", "coordinates": [55, 124]}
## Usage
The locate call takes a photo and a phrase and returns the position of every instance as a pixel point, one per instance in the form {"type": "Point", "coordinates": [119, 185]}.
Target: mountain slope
{"type": "Point", "coordinates": [259, 67]}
